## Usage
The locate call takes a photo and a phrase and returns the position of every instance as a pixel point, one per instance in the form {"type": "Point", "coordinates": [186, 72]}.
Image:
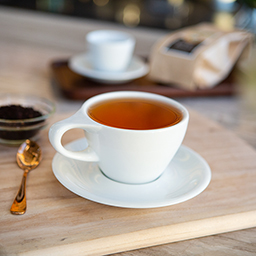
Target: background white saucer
{"type": "Point", "coordinates": [81, 65]}
{"type": "Point", "coordinates": [187, 175]}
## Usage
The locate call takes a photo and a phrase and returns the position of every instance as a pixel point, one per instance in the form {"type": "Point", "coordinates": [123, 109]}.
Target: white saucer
{"type": "Point", "coordinates": [187, 175]}
{"type": "Point", "coordinates": [81, 65]}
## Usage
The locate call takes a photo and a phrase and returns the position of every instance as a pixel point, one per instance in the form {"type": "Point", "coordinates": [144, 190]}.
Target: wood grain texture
{"type": "Point", "coordinates": [59, 222]}
{"type": "Point", "coordinates": [222, 244]}
{"type": "Point", "coordinates": [77, 87]}
{"type": "Point", "coordinates": [29, 43]}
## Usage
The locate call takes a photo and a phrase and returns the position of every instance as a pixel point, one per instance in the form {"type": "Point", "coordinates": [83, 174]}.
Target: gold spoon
{"type": "Point", "coordinates": [28, 157]}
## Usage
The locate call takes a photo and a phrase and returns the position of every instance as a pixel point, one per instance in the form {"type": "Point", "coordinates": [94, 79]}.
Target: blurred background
{"type": "Point", "coordinates": [159, 14]}
{"type": "Point", "coordinates": [36, 32]}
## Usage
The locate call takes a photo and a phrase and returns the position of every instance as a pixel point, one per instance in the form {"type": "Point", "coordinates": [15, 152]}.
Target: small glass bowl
{"type": "Point", "coordinates": [14, 132]}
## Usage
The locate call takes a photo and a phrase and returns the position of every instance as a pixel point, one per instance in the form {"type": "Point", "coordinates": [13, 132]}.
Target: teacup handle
{"type": "Point", "coordinates": [58, 129]}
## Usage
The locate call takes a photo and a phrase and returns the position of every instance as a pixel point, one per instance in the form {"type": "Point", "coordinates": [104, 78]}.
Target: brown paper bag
{"type": "Point", "coordinates": [197, 57]}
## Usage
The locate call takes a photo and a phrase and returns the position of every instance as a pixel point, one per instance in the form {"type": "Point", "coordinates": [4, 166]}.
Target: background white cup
{"type": "Point", "coordinates": [110, 50]}
{"type": "Point", "coordinates": [128, 156]}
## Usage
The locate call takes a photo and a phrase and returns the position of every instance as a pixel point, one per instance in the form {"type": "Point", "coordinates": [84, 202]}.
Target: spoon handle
{"type": "Point", "coordinates": [19, 204]}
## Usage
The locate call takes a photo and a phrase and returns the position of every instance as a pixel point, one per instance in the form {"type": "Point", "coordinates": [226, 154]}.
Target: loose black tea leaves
{"type": "Point", "coordinates": [17, 112]}
{"type": "Point", "coordinates": [20, 116]}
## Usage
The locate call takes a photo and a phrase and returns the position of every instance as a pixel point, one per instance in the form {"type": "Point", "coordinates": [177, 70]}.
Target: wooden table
{"type": "Point", "coordinates": [28, 44]}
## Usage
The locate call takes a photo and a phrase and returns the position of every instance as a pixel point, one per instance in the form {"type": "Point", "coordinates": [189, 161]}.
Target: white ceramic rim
{"type": "Point", "coordinates": [121, 191]}
{"type": "Point", "coordinates": [136, 69]}
{"type": "Point", "coordinates": [134, 94]}
{"type": "Point", "coordinates": [96, 37]}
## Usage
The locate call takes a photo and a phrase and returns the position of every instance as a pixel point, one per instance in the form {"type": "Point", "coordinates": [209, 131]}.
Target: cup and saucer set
{"type": "Point", "coordinates": [109, 58]}
{"type": "Point", "coordinates": [125, 159]}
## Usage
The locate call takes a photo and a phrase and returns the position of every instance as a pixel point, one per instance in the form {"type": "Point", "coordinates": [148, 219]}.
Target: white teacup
{"type": "Point", "coordinates": [129, 155]}
{"type": "Point", "coordinates": [110, 50]}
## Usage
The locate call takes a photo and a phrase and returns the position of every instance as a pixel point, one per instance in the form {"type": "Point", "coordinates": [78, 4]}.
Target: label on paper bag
{"type": "Point", "coordinates": [197, 57]}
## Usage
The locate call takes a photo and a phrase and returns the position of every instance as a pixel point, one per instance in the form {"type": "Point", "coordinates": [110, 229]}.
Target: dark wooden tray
{"type": "Point", "coordinates": [77, 87]}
